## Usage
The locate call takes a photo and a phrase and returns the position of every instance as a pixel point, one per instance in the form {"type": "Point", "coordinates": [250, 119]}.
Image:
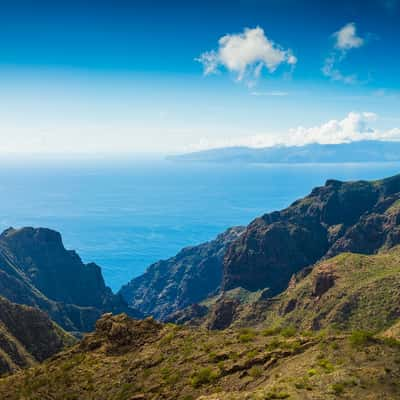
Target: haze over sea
{"type": "Point", "coordinates": [126, 215]}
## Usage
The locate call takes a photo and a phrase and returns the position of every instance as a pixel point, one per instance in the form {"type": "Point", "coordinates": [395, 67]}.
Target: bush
{"type": "Point", "coordinates": [312, 372]}
{"type": "Point", "coordinates": [288, 331]}
{"type": "Point", "coordinates": [360, 338]}
{"type": "Point", "coordinates": [271, 331]}
{"type": "Point", "coordinates": [255, 372]}
{"type": "Point", "coordinates": [326, 365]}
{"type": "Point", "coordinates": [246, 335]}
{"type": "Point", "coordinates": [337, 388]}
{"type": "Point", "coordinates": [204, 376]}
{"type": "Point", "coordinates": [391, 342]}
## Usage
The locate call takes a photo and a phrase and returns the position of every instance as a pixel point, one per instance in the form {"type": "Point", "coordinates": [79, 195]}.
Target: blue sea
{"type": "Point", "coordinates": [125, 215]}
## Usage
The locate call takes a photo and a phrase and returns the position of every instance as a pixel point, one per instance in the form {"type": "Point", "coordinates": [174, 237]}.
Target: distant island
{"type": "Point", "coordinates": [354, 152]}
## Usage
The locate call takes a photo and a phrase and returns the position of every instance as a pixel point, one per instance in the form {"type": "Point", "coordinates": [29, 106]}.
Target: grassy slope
{"type": "Point", "coordinates": [170, 362]}
{"type": "Point", "coordinates": [365, 295]}
{"type": "Point", "coordinates": [127, 360]}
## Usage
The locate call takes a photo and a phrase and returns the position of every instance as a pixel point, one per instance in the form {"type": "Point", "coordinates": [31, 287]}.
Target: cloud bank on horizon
{"type": "Point", "coordinates": [354, 127]}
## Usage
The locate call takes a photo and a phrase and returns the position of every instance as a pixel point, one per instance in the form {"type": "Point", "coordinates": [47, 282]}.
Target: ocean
{"type": "Point", "coordinates": [125, 215]}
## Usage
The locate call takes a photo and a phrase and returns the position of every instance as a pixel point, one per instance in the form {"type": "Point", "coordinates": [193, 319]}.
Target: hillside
{"type": "Point", "coordinates": [27, 336]}
{"type": "Point", "coordinates": [126, 360]}
{"type": "Point", "coordinates": [361, 151]}
{"type": "Point", "coordinates": [356, 216]}
{"type": "Point", "coordinates": [346, 292]}
{"type": "Point", "coordinates": [36, 270]}
{"type": "Point", "coordinates": [194, 274]}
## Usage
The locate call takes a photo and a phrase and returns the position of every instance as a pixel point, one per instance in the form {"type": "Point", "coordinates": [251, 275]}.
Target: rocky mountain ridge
{"type": "Point", "coordinates": [36, 270]}
{"type": "Point", "coordinates": [360, 216]}
{"type": "Point", "coordinates": [355, 216]}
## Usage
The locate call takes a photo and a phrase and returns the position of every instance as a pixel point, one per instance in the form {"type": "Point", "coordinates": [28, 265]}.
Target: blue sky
{"type": "Point", "coordinates": [122, 76]}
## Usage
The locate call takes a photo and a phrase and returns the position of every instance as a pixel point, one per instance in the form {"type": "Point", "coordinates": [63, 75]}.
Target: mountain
{"type": "Point", "coordinates": [361, 151]}
{"type": "Point", "coordinates": [308, 309]}
{"type": "Point", "coordinates": [126, 359]}
{"type": "Point", "coordinates": [37, 270]}
{"type": "Point", "coordinates": [361, 217]}
{"type": "Point", "coordinates": [349, 291]}
{"type": "Point", "coordinates": [346, 292]}
{"type": "Point", "coordinates": [27, 336]}
{"type": "Point", "coordinates": [194, 274]}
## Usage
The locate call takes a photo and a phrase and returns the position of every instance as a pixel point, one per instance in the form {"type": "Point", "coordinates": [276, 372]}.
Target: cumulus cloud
{"type": "Point", "coordinates": [354, 127]}
{"type": "Point", "coordinates": [346, 39]}
{"type": "Point", "coordinates": [246, 55]}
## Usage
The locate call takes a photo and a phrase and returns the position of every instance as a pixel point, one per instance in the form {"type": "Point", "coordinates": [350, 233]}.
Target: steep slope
{"type": "Point", "coordinates": [349, 291]}
{"type": "Point", "coordinates": [36, 270]}
{"type": "Point", "coordinates": [340, 216]}
{"type": "Point", "coordinates": [170, 285]}
{"type": "Point", "coordinates": [142, 360]}
{"type": "Point", "coordinates": [27, 336]}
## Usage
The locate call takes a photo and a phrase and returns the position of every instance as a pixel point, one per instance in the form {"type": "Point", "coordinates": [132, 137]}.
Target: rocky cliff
{"type": "Point", "coordinates": [192, 275]}
{"type": "Point", "coordinates": [358, 216]}
{"type": "Point", "coordinates": [36, 270]}
{"type": "Point", "coordinates": [27, 336]}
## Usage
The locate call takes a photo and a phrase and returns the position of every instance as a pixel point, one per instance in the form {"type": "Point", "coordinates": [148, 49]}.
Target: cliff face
{"type": "Point", "coordinates": [340, 216]}
{"type": "Point", "coordinates": [191, 276]}
{"type": "Point", "coordinates": [27, 336]}
{"type": "Point", "coordinates": [36, 270]}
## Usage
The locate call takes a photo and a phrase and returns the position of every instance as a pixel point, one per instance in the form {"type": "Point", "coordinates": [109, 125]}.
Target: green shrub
{"type": "Point", "coordinates": [312, 372]}
{"type": "Point", "coordinates": [271, 331]}
{"type": "Point", "coordinates": [288, 331]}
{"type": "Point", "coordinates": [246, 337]}
{"type": "Point", "coordinates": [204, 376]}
{"type": "Point", "coordinates": [326, 365]}
{"type": "Point", "coordinates": [276, 394]}
{"type": "Point", "coordinates": [303, 383]}
{"type": "Point", "coordinates": [391, 342]}
{"type": "Point", "coordinates": [360, 338]}
{"type": "Point", "coordinates": [251, 354]}
{"type": "Point", "coordinates": [255, 372]}
{"type": "Point", "coordinates": [338, 388]}
{"type": "Point", "coordinates": [274, 344]}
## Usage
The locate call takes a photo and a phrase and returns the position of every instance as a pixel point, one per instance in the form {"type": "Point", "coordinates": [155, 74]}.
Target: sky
{"type": "Point", "coordinates": [165, 77]}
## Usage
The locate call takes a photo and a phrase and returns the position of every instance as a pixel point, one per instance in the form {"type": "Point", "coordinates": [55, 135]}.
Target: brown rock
{"type": "Point", "coordinates": [223, 314]}
{"type": "Point", "coordinates": [323, 281]}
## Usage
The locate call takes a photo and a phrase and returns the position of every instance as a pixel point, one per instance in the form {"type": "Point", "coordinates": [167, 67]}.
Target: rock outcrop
{"type": "Point", "coordinates": [36, 270]}
{"type": "Point", "coordinates": [118, 333]}
{"type": "Point", "coordinates": [170, 285]}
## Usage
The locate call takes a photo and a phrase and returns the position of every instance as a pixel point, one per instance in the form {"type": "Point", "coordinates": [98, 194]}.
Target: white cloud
{"type": "Point", "coordinates": [246, 55]}
{"type": "Point", "coordinates": [346, 39]}
{"type": "Point", "coordinates": [354, 127]}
